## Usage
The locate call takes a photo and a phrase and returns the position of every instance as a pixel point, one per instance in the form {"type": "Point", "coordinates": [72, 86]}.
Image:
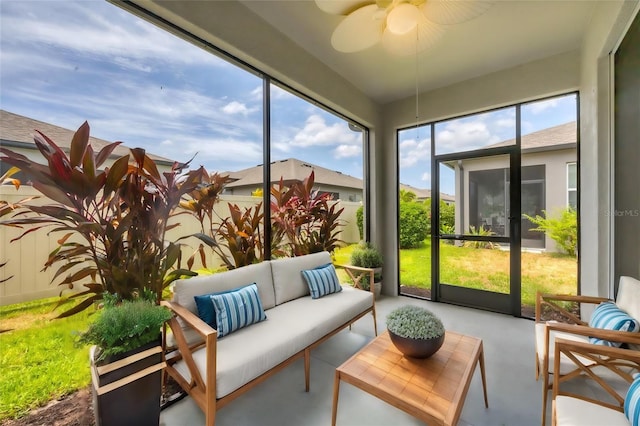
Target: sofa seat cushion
{"type": "Point", "coordinates": [566, 365]}
{"type": "Point", "coordinates": [291, 327]}
{"type": "Point", "coordinates": [577, 412]}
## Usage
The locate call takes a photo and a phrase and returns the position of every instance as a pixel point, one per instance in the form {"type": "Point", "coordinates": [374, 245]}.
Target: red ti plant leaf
{"type": "Point", "coordinates": [79, 145]}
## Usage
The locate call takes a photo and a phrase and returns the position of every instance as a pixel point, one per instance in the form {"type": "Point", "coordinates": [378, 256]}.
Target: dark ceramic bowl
{"type": "Point", "coordinates": [416, 348]}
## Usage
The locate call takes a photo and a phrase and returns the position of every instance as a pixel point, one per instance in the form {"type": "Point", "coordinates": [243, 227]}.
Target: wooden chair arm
{"type": "Point", "coordinates": [547, 299]}
{"type": "Point", "coordinates": [357, 272]}
{"type": "Point", "coordinates": [194, 321]}
{"type": "Point", "coordinates": [600, 333]}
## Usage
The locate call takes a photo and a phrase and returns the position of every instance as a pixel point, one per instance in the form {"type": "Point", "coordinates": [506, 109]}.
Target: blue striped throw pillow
{"type": "Point", "coordinates": [608, 316]}
{"type": "Point", "coordinates": [632, 402]}
{"type": "Point", "coordinates": [237, 308]}
{"type": "Point", "coordinates": [322, 280]}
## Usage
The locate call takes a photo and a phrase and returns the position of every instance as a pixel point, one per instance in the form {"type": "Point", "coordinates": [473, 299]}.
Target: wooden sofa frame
{"type": "Point", "coordinates": [203, 389]}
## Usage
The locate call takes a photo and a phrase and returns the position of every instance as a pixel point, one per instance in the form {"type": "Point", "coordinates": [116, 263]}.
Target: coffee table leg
{"type": "Point", "coordinates": [484, 380]}
{"type": "Point", "coordinates": [336, 391]}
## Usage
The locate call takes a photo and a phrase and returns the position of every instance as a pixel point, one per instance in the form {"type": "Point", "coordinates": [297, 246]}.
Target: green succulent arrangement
{"type": "Point", "coordinates": [123, 326]}
{"type": "Point", "coordinates": [414, 322]}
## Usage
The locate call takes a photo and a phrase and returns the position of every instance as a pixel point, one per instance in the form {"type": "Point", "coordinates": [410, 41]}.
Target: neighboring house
{"type": "Point", "coordinates": [549, 183]}
{"type": "Point", "coordinates": [424, 194]}
{"type": "Point", "coordinates": [340, 186]}
{"type": "Point", "coordinates": [16, 134]}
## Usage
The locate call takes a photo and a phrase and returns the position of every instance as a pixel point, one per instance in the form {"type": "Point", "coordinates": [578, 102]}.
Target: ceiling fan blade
{"type": "Point", "coordinates": [448, 12]}
{"type": "Point", "coordinates": [423, 36]}
{"type": "Point", "coordinates": [358, 31]}
{"type": "Point", "coordinates": [341, 7]}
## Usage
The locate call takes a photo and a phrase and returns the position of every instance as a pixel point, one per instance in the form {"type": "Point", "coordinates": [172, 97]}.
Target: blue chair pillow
{"type": "Point", "coordinates": [322, 280]}
{"type": "Point", "coordinates": [632, 402]}
{"type": "Point", "coordinates": [608, 316]}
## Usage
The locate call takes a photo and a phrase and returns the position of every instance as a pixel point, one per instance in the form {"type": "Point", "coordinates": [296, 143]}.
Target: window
{"type": "Point", "coordinates": [572, 185]}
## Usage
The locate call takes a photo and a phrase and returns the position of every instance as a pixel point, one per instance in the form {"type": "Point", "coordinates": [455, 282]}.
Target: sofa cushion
{"type": "Point", "coordinates": [322, 280]}
{"type": "Point", "coordinates": [287, 277]}
{"type": "Point", "coordinates": [249, 352]}
{"type": "Point", "coordinates": [205, 308]}
{"type": "Point", "coordinates": [609, 316]}
{"type": "Point", "coordinates": [237, 308]}
{"type": "Point", "coordinates": [184, 291]}
{"type": "Point", "coordinates": [632, 401]}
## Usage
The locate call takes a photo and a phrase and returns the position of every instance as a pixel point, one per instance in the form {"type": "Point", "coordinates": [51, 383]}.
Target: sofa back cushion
{"type": "Point", "coordinates": [184, 291]}
{"type": "Point", "coordinates": [287, 275]}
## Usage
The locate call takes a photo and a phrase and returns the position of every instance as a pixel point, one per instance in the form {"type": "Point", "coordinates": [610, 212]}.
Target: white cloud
{"type": "Point", "coordinates": [411, 152]}
{"type": "Point", "coordinates": [346, 151]}
{"type": "Point", "coordinates": [316, 132]}
{"type": "Point", "coordinates": [426, 177]}
{"type": "Point", "coordinates": [235, 107]}
{"type": "Point", "coordinates": [461, 135]}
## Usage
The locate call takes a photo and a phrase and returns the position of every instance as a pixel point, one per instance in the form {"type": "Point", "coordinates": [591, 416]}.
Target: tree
{"type": "Point", "coordinates": [413, 224]}
{"type": "Point", "coordinates": [563, 229]}
{"type": "Point", "coordinates": [407, 196]}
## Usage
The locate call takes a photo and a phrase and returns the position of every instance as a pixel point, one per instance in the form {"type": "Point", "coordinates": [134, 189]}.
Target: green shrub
{"type": "Point", "coordinates": [563, 230]}
{"type": "Point", "coordinates": [366, 256]}
{"type": "Point", "coordinates": [413, 224]}
{"type": "Point", "coordinates": [126, 326]}
{"type": "Point", "coordinates": [482, 232]}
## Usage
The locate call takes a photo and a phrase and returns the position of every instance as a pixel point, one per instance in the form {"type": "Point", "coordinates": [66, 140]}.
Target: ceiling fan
{"type": "Point", "coordinates": [403, 26]}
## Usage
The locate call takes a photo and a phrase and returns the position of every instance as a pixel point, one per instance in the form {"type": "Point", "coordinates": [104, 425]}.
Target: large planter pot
{"type": "Point", "coordinates": [127, 389]}
{"type": "Point", "coordinates": [416, 348]}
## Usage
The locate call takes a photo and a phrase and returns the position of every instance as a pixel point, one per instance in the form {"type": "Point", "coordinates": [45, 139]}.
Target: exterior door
{"type": "Point", "coordinates": [477, 262]}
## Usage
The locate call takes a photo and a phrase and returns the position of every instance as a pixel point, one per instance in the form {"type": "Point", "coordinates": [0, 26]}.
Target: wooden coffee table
{"type": "Point", "coordinates": [432, 390]}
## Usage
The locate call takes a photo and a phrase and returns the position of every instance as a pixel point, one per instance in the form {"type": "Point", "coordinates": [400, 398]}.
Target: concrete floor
{"type": "Point", "coordinates": [514, 395]}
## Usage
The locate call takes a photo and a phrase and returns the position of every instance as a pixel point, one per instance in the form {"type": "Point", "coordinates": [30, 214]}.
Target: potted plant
{"type": "Point", "coordinates": [113, 222]}
{"type": "Point", "coordinates": [367, 256]}
{"type": "Point", "coordinates": [415, 331]}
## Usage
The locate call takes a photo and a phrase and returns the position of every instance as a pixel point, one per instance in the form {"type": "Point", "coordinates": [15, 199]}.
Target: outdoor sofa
{"type": "Point", "coordinates": [215, 370]}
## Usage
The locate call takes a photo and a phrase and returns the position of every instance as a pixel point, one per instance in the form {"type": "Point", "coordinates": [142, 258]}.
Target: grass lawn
{"type": "Point", "coordinates": [38, 359]}
{"type": "Point", "coordinates": [489, 270]}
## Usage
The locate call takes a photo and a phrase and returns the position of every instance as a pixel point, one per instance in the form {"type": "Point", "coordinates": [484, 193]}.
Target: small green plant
{"type": "Point", "coordinates": [414, 322]}
{"type": "Point", "coordinates": [366, 256]}
{"type": "Point", "coordinates": [481, 232]}
{"type": "Point", "coordinates": [124, 326]}
{"type": "Point", "coordinates": [414, 223]}
{"type": "Point", "coordinates": [563, 229]}
{"type": "Point", "coordinates": [360, 221]}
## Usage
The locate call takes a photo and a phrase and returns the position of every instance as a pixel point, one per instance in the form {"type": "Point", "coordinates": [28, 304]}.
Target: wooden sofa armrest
{"type": "Point", "coordinates": [209, 336]}
{"type": "Point", "coordinates": [550, 301]}
{"type": "Point", "coordinates": [356, 273]}
{"type": "Point", "coordinates": [581, 354]}
{"type": "Point", "coordinates": [629, 337]}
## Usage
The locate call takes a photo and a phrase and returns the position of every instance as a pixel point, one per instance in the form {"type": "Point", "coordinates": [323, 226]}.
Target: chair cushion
{"type": "Point", "coordinates": [577, 412]}
{"type": "Point", "coordinates": [632, 401]}
{"type": "Point", "coordinates": [566, 365]}
{"type": "Point", "coordinates": [609, 316]}
{"type": "Point", "coordinates": [322, 280]}
{"type": "Point", "coordinates": [237, 308]}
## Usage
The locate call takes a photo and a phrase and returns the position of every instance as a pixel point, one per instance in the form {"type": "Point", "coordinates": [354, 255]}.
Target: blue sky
{"type": "Point", "coordinates": [66, 62]}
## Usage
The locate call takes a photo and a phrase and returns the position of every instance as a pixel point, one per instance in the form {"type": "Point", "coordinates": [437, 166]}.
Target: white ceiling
{"type": "Point", "coordinates": [510, 33]}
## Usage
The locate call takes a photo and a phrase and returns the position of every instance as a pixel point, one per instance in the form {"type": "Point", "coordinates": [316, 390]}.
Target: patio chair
{"type": "Point", "coordinates": [570, 326]}
{"type": "Point", "coordinates": [570, 408]}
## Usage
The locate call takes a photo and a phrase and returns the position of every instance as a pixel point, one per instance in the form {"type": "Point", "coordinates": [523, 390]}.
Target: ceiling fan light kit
{"type": "Point", "coordinates": [403, 26]}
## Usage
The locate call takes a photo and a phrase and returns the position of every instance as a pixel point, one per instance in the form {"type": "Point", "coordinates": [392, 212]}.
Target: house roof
{"type": "Point", "coordinates": [293, 169]}
{"type": "Point", "coordinates": [558, 137]}
{"type": "Point", "coordinates": [423, 194]}
{"type": "Point", "coordinates": [17, 131]}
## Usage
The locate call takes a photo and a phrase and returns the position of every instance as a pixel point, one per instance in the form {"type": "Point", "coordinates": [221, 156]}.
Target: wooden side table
{"type": "Point", "coordinates": [432, 389]}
